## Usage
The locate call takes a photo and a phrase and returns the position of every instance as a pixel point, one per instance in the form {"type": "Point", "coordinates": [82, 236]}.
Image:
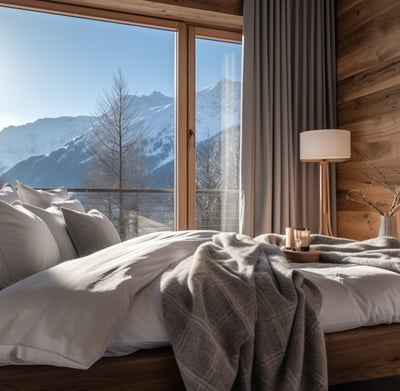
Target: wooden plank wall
{"type": "Point", "coordinates": [219, 14]}
{"type": "Point", "coordinates": [368, 96]}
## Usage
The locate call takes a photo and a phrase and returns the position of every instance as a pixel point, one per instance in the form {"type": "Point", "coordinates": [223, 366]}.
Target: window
{"type": "Point", "coordinates": [217, 121]}
{"type": "Point", "coordinates": [84, 103]}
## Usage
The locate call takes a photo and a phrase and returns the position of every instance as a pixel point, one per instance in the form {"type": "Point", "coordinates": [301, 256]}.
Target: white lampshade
{"type": "Point", "coordinates": [331, 145]}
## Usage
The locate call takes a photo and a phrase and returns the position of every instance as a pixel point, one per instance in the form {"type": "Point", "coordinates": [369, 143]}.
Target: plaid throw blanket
{"type": "Point", "coordinates": [239, 318]}
{"type": "Point", "coordinates": [382, 252]}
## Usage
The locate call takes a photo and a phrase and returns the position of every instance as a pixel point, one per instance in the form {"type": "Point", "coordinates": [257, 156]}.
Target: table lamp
{"type": "Point", "coordinates": [325, 146]}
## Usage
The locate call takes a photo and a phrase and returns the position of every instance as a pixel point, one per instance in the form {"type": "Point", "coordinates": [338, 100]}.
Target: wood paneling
{"type": "Point", "coordinates": [369, 43]}
{"type": "Point", "coordinates": [217, 14]}
{"type": "Point", "coordinates": [233, 7]}
{"type": "Point", "coordinates": [377, 78]}
{"type": "Point", "coordinates": [368, 93]}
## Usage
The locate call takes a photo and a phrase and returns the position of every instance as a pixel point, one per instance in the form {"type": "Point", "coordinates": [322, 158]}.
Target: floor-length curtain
{"type": "Point", "coordinates": [289, 86]}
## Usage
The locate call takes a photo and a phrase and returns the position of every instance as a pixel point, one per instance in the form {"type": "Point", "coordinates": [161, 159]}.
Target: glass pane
{"type": "Point", "coordinates": [218, 75]}
{"type": "Point", "coordinates": [85, 104]}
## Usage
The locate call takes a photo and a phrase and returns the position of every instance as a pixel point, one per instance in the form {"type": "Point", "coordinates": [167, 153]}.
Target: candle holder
{"type": "Point", "coordinates": [302, 239]}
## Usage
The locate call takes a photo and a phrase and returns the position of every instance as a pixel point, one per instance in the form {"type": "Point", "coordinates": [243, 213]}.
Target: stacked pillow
{"type": "Point", "coordinates": [8, 194]}
{"type": "Point", "coordinates": [72, 204]}
{"type": "Point", "coordinates": [41, 198]}
{"type": "Point", "coordinates": [26, 244]}
{"type": "Point", "coordinates": [56, 223]}
{"type": "Point", "coordinates": [90, 231]}
{"type": "Point", "coordinates": [42, 228]}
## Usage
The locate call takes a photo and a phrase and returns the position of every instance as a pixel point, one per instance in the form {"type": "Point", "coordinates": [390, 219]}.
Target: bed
{"type": "Point", "coordinates": [61, 319]}
{"type": "Point", "coordinates": [356, 354]}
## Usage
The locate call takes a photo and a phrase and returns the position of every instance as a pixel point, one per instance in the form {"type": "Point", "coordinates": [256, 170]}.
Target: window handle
{"type": "Point", "coordinates": [192, 135]}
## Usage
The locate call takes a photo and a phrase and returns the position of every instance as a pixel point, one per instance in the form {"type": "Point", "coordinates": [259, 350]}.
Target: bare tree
{"type": "Point", "coordinates": [208, 181]}
{"type": "Point", "coordinates": [117, 156]}
{"type": "Point", "coordinates": [217, 180]}
{"type": "Point", "coordinates": [230, 179]}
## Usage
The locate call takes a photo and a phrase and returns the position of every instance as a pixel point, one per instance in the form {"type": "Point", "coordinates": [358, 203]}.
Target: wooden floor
{"type": "Point", "coordinates": [384, 384]}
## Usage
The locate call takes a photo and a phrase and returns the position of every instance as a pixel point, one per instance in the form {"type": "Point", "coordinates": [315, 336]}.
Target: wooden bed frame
{"type": "Point", "coordinates": [363, 353]}
{"type": "Point", "coordinates": [359, 354]}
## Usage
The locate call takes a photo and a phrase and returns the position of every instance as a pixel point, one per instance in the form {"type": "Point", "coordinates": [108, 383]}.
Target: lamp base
{"type": "Point", "coordinates": [325, 202]}
{"type": "Point", "coordinates": [325, 226]}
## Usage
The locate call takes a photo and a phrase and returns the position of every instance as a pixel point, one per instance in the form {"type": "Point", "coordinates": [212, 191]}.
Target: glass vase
{"type": "Point", "coordinates": [388, 226]}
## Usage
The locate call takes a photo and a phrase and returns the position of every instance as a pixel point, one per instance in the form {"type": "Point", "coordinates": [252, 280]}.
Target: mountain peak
{"type": "Point", "coordinates": [221, 84]}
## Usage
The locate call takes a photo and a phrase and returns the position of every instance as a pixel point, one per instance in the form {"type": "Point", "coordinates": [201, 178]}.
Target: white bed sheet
{"type": "Point", "coordinates": [352, 296]}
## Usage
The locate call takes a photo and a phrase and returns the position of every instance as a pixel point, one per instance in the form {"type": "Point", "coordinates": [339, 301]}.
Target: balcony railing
{"type": "Point", "coordinates": [150, 210]}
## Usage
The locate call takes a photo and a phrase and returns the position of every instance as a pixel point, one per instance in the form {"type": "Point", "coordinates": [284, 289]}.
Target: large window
{"type": "Point", "coordinates": [105, 109]}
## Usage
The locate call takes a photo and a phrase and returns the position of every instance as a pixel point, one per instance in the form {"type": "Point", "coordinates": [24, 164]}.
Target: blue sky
{"type": "Point", "coordinates": [56, 65]}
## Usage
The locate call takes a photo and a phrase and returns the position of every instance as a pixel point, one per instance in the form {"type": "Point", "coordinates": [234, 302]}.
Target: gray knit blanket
{"type": "Point", "coordinates": [382, 252]}
{"type": "Point", "coordinates": [240, 319]}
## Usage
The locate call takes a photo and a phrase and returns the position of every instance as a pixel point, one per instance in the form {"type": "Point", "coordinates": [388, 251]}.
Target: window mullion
{"type": "Point", "coordinates": [191, 140]}
{"type": "Point", "coordinates": [181, 167]}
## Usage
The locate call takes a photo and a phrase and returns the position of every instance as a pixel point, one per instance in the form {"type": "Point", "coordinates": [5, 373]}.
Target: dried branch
{"type": "Point", "coordinates": [357, 195]}
{"type": "Point", "coordinates": [361, 197]}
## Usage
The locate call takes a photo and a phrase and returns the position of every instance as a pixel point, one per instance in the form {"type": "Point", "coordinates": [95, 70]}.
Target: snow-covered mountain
{"type": "Point", "coordinates": [52, 152]}
{"type": "Point", "coordinates": [39, 138]}
{"type": "Point", "coordinates": [63, 166]}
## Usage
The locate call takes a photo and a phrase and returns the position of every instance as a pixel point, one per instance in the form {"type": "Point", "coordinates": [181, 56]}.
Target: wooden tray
{"type": "Point", "coordinates": [302, 256]}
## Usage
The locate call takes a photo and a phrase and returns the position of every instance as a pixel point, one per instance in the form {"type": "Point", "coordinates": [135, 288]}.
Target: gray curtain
{"type": "Point", "coordinates": [289, 85]}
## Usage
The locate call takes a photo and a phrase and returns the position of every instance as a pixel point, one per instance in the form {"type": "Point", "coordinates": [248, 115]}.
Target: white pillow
{"type": "Point", "coordinates": [90, 231]}
{"type": "Point", "coordinates": [56, 223]}
{"type": "Point", "coordinates": [8, 194]}
{"type": "Point", "coordinates": [41, 198]}
{"type": "Point", "coordinates": [26, 244]}
{"type": "Point", "coordinates": [72, 204]}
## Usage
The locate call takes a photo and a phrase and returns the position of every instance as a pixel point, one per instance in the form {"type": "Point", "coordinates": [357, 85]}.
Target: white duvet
{"type": "Point", "coordinates": [109, 303]}
{"type": "Point", "coordinates": [67, 315]}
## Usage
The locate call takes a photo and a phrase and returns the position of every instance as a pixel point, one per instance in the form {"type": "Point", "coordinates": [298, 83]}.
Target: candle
{"type": "Point", "coordinates": [289, 237]}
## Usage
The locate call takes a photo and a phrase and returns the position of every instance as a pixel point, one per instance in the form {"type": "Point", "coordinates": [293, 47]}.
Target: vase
{"type": "Point", "coordinates": [388, 226]}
